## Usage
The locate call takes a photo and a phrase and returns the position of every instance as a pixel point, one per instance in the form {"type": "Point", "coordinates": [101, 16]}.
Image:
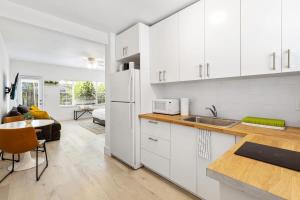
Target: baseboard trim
{"type": "Point", "coordinates": [107, 151]}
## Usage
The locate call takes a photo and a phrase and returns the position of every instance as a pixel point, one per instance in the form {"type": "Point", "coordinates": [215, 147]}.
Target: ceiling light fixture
{"type": "Point", "coordinates": [95, 63]}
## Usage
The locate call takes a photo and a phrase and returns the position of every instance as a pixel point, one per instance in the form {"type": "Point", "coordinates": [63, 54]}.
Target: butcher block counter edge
{"type": "Point", "coordinates": [263, 180]}
{"type": "Point", "coordinates": [237, 130]}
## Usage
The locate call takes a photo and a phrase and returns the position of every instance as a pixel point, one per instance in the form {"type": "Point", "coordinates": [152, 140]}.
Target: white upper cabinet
{"type": "Point", "coordinates": [291, 35]}
{"type": "Point", "coordinates": [128, 43]}
{"type": "Point", "coordinates": [184, 156]}
{"type": "Point", "coordinates": [218, 39]}
{"type": "Point", "coordinates": [164, 62]}
{"type": "Point", "coordinates": [191, 42]}
{"type": "Point", "coordinates": [261, 36]}
{"type": "Point", "coordinates": [222, 38]}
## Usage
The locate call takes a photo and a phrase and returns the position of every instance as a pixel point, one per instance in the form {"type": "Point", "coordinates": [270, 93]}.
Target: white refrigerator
{"type": "Point", "coordinates": [124, 121]}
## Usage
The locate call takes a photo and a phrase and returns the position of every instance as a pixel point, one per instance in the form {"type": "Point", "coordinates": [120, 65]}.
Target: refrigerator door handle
{"type": "Point", "coordinates": [130, 87]}
{"type": "Point", "coordinates": [130, 116]}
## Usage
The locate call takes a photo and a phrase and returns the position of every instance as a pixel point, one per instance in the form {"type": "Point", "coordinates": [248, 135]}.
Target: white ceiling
{"type": "Point", "coordinates": [30, 43]}
{"type": "Point", "coordinates": [108, 15]}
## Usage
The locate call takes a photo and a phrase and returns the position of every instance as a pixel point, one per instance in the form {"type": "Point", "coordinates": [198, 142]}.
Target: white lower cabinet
{"type": "Point", "coordinates": [156, 163]}
{"type": "Point", "coordinates": [183, 157]}
{"type": "Point", "coordinates": [180, 157]}
{"type": "Point", "coordinates": [208, 188]}
{"type": "Point", "coordinates": [155, 144]}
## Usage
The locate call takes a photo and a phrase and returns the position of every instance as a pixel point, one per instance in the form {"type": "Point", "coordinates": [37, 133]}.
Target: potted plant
{"type": "Point", "coordinates": [28, 118]}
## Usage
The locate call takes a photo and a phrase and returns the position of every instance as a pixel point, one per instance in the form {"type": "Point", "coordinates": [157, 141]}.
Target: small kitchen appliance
{"type": "Point", "coordinates": [166, 106]}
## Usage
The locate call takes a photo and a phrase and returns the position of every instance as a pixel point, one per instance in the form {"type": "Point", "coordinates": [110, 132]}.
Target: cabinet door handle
{"type": "Point", "coordinates": [274, 60]}
{"type": "Point", "coordinates": [159, 76]}
{"type": "Point", "coordinates": [153, 122]}
{"type": "Point", "coordinates": [152, 139]}
{"type": "Point", "coordinates": [289, 58]}
{"type": "Point", "coordinates": [164, 75]}
{"type": "Point", "coordinates": [207, 70]}
{"type": "Point", "coordinates": [125, 49]}
{"type": "Point", "coordinates": [200, 71]}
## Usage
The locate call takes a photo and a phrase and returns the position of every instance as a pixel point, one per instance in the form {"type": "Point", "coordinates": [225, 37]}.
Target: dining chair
{"type": "Point", "coordinates": [17, 141]}
{"type": "Point", "coordinates": [9, 120]}
{"type": "Point", "coordinates": [15, 119]}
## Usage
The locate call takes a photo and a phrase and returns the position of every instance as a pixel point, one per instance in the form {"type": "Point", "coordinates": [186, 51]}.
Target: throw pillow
{"type": "Point", "coordinates": [34, 108]}
{"type": "Point", "coordinates": [39, 114]}
{"type": "Point", "coordinates": [13, 112]}
{"type": "Point", "coordinates": [22, 109]}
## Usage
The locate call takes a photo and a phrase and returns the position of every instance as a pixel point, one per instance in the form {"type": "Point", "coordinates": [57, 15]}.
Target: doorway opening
{"type": "Point", "coordinates": [31, 91]}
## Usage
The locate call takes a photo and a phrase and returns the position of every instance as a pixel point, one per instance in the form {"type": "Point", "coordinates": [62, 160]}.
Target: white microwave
{"type": "Point", "coordinates": [166, 106]}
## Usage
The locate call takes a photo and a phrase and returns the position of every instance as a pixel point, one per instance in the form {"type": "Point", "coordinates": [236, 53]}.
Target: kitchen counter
{"type": "Point", "coordinates": [261, 180]}
{"type": "Point", "coordinates": [237, 130]}
{"type": "Point", "coordinates": [246, 176]}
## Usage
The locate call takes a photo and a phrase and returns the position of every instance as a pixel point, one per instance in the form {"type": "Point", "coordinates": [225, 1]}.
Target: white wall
{"type": "Point", "coordinates": [4, 76]}
{"type": "Point", "coordinates": [55, 73]}
{"type": "Point", "coordinates": [273, 97]}
{"type": "Point", "coordinates": [109, 68]}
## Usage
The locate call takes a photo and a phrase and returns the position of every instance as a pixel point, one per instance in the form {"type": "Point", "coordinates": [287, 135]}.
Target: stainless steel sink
{"type": "Point", "coordinates": [212, 121]}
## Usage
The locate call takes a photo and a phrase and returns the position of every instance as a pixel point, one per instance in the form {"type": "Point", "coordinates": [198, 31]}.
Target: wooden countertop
{"type": "Point", "coordinates": [264, 180]}
{"type": "Point", "coordinates": [249, 175]}
{"type": "Point", "coordinates": [237, 130]}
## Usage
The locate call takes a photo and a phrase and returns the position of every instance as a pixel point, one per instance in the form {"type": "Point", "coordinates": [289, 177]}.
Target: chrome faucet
{"type": "Point", "coordinates": [213, 110]}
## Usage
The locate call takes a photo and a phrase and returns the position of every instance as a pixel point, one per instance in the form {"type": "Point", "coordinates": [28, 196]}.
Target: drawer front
{"type": "Point", "coordinates": [156, 163]}
{"type": "Point", "coordinates": [156, 128]}
{"type": "Point", "coordinates": [156, 145]}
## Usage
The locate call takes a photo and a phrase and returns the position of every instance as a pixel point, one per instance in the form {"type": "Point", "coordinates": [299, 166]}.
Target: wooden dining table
{"type": "Point", "coordinates": [26, 161]}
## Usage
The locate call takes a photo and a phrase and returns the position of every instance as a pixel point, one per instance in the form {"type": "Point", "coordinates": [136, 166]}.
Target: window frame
{"type": "Point", "coordinates": [61, 84]}
{"type": "Point", "coordinates": [95, 84]}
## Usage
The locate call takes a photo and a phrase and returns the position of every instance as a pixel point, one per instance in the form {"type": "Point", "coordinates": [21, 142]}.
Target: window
{"type": "Point", "coordinates": [66, 93]}
{"type": "Point", "coordinates": [82, 93]}
{"type": "Point", "coordinates": [100, 93]}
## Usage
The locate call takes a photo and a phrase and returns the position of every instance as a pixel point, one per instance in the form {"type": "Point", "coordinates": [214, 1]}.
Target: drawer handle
{"type": "Point", "coordinates": [153, 122]}
{"type": "Point", "coordinates": [164, 75]}
{"type": "Point", "coordinates": [207, 70]}
{"type": "Point", "coordinates": [289, 58]}
{"type": "Point", "coordinates": [274, 60]}
{"type": "Point", "coordinates": [152, 139]}
{"type": "Point", "coordinates": [200, 71]}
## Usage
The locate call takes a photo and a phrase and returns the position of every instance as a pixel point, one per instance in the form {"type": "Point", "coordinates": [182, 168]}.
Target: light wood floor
{"type": "Point", "coordinates": [79, 170]}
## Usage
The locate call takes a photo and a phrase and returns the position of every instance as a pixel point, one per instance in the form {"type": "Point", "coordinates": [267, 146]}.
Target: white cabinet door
{"type": "Point", "coordinates": [121, 86]}
{"type": "Point", "coordinates": [164, 66]}
{"type": "Point", "coordinates": [261, 36]}
{"type": "Point", "coordinates": [291, 33]}
{"type": "Point", "coordinates": [209, 188]}
{"type": "Point", "coordinates": [127, 43]}
{"type": "Point", "coordinates": [183, 156]}
{"type": "Point", "coordinates": [222, 38]}
{"type": "Point", "coordinates": [155, 146]}
{"type": "Point", "coordinates": [156, 128]}
{"type": "Point", "coordinates": [191, 42]}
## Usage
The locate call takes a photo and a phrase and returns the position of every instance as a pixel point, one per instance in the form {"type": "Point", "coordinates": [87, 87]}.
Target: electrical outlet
{"type": "Point", "coordinates": [298, 104]}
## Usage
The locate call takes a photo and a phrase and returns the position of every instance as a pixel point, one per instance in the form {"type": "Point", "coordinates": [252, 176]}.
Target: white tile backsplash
{"type": "Point", "coordinates": [272, 97]}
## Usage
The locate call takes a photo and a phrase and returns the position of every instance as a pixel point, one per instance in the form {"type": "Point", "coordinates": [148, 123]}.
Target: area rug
{"type": "Point", "coordinates": [92, 127]}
